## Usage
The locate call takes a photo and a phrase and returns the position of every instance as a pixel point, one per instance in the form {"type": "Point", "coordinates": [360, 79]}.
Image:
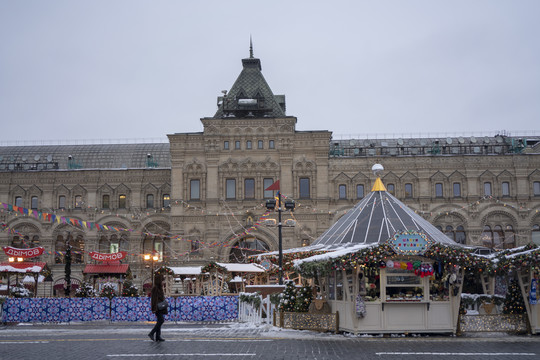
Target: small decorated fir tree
{"type": "Point", "coordinates": [108, 291]}
{"type": "Point", "coordinates": [85, 290]}
{"type": "Point", "coordinates": [288, 298]}
{"type": "Point", "coordinates": [513, 303]}
{"type": "Point", "coordinates": [304, 295]}
{"type": "Point", "coordinates": [129, 289]}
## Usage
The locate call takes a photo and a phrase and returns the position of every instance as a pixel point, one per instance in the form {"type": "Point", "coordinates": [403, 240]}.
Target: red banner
{"type": "Point", "coordinates": [23, 253]}
{"type": "Point", "coordinates": [108, 257]}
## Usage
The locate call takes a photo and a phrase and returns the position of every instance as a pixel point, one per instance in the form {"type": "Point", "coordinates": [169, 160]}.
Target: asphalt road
{"type": "Point", "coordinates": [237, 341]}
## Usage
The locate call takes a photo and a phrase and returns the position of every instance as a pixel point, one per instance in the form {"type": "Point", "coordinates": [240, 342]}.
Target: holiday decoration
{"type": "Point", "coordinates": [85, 290]}
{"type": "Point", "coordinates": [513, 303]}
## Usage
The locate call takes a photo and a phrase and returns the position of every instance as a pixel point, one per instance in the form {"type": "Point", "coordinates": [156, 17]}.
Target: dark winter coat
{"type": "Point", "coordinates": [157, 295]}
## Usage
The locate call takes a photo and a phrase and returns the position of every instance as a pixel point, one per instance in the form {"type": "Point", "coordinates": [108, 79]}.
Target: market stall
{"type": "Point", "coordinates": [216, 278]}
{"type": "Point", "coordinates": [386, 269]}
{"type": "Point", "coordinates": [22, 269]}
{"type": "Point", "coordinates": [107, 270]}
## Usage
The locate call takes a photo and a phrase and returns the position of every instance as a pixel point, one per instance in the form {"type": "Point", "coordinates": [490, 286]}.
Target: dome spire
{"type": "Point", "coordinates": [250, 48]}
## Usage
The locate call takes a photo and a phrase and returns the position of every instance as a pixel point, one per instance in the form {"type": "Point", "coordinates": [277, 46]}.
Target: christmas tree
{"type": "Point", "coordinates": [85, 290]}
{"type": "Point", "coordinates": [288, 297]}
{"type": "Point", "coordinates": [129, 289]}
{"type": "Point", "coordinates": [108, 291]}
{"type": "Point", "coordinates": [513, 303]}
{"type": "Point", "coordinates": [295, 299]}
{"type": "Point", "coordinates": [304, 295]}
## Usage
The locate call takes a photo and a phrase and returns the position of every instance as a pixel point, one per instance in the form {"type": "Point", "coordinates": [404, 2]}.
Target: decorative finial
{"type": "Point", "coordinates": [250, 47]}
{"type": "Point", "coordinates": [377, 170]}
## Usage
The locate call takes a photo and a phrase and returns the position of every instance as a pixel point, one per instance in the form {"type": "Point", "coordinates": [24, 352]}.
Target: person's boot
{"type": "Point", "coordinates": [159, 338]}
{"type": "Point", "coordinates": [151, 336]}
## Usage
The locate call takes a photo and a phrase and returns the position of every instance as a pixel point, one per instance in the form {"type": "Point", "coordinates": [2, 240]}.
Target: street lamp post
{"type": "Point", "coordinates": [271, 205]}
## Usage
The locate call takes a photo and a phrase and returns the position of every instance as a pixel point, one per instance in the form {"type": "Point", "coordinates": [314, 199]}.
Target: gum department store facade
{"type": "Point", "coordinates": [193, 198]}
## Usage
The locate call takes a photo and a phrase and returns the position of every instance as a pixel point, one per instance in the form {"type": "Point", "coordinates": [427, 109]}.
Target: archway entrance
{"type": "Point", "coordinates": [246, 247]}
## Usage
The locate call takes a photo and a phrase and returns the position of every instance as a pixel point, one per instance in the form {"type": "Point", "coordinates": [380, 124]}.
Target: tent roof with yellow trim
{"type": "Point", "coordinates": [375, 219]}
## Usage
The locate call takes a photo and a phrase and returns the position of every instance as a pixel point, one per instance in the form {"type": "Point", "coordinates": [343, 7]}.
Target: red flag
{"type": "Point", "coordinates": [274, 186]}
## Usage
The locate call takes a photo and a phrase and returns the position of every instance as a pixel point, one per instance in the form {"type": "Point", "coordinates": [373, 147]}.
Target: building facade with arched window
{"type": "Point", "coordinates": [200, 196]}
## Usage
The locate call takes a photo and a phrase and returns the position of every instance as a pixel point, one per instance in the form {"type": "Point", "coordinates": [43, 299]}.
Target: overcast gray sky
{"type": "Point", "coordinates": [72, 70]}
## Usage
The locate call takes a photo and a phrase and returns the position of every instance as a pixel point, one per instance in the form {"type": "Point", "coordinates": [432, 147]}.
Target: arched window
{"type": "Point", "coordinates": [449, 231]}
{"type": "Point", "coordinates": [122, 201]}
{"type": "Point", "coordinates": [342, 191]}
{"type": "Point", "coordinates": [408, 191]}
{"type": "Point", "coordinates": [439, 190]}
{"type": "Point", "coordinates": [78, 202]}
{"type": "Point", "coordinates": [59, 249]}
{"type": "Point", "coordinates": [19, 201]}
{"type": "Point", "coordinates": [77, 249]}
{"type": "Point", "coordinates": [244, 248]}
{"type": "Point", "coordinates": [498, 237]}
{"type": "Point", "coordinates": [149, 201]}
{"type": "Point", "coordinates": [457, 190]}
{"type": "Point", "coordinates": [105, 202]}
{"type": "Point", "coordinates": [391, 188]}
{"type": "Point", "coordinates": [61, 202]}
{"type": "Point", "coordinates": [535, 234]}
{"type": "Point", "coordinates": [536, 188]}
{"type": "Point", "coordinates": [359, 191]}
{"type": "Point", "coordinates": [34, 203]}
{"type": "Point", "coordinates": [461, 237]}
{"type": "Point", "coordinates": [487, 189]}
{"type": "Point", "coordinates": [166, 200]}
{"type": "Point", "coordinates": [487, 237]}
{"type": "Point", "coordinates": [509, 237]}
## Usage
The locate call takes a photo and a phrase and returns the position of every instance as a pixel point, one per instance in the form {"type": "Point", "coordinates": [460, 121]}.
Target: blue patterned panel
{"type": "Point", "coordinates": [56, 309]}
{"type": "Point", "coordinates": [207, 308]}
{"type": "Point", "coordinates": [89, 309]}
{"type": "Point", "coordinates": [23, 310]}
{"type": "Point", "coordinates": [136, 309]}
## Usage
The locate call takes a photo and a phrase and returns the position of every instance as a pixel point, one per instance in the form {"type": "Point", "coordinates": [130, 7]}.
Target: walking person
{"type": "Point", "coordinates": [157, 296]}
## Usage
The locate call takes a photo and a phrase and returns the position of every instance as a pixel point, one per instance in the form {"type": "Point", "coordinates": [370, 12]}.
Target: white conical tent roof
{"type": "Point", "coordinates": [376, 219]}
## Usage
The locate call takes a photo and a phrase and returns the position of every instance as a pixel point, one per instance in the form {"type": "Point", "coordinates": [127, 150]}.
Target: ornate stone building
{"type": "Point", "coordinates": [201, 196]}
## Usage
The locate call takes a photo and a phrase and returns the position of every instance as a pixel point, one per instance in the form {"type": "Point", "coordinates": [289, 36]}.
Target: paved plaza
{"type": "Point", "coordinates": [104, 340]}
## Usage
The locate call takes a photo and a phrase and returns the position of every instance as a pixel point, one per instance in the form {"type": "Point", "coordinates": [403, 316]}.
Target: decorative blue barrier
{"type": "Point", "coordinates": [183, 308]}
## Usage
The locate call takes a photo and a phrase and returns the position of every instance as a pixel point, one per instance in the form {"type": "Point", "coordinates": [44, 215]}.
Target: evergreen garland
{"type": "Point", "coordinates": [213, 266]}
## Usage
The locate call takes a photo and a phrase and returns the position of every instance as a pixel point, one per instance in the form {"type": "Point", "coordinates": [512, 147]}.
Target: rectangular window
{"type": "Point", "coordinates": [195, 189]}
{"type": "Point", "coordinates": [260, 144]}
{"type": "Point", "coordinates": [61, 202]}
{"type": "Point", "coordinates": [304, 188]}
{"type": "Point", "coordinates": [342, 191]}
{"type": "Point", "coordinates": [266, 183]}
{"type": "Point", "coordinates": [439, 190]}
{"type": "Point", "coordinates": [149, 201]}
{"type": "Point", "coordinates": [249, 189]}
{"type": "Point", "coordinates": [271, 144]}
{"type": "Point", "coordinates": [408, 190]}
{"type": "Point", "coordinates": [457, 190]}
{"type": "Point", "coordinates": [225, 145]}
{"type": "Point", "coordinates": [536, 188]}
{"type": "Point", "coordinates": [248, 144]}
{"type": "Point", "coordinates": [230, 189]}
{"type": "Point", "coordinates": [237, 145]}
{"type": "Point", "coordinates": [122, 201]}
{"type": "Point", "coordinates": [391, 188]}
{"type": "Point", "coordinates": [166, 200]}
{"type": "Point", "coordinates": [359, 191]}
{"type": "Point", "coordinates": [34, 204]}
{"type": "Point", "coordinates": [505, 187]}
{"type": "Point", "coordinates": [487, 189]}
{"type": "Point", "coordinates": [105, 200]}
